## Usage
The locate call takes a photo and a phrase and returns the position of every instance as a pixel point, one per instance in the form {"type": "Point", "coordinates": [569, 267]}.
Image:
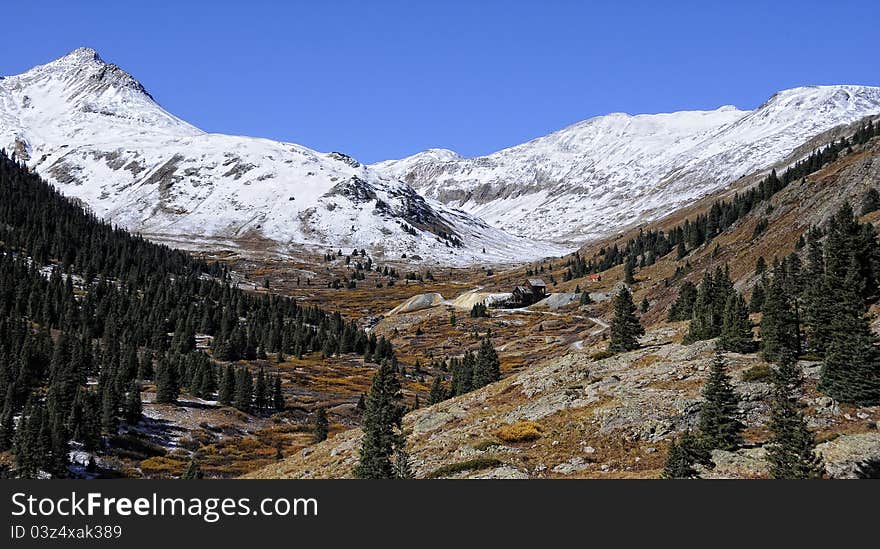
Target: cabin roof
{"type": "Point", "coordinates": [536, 282]}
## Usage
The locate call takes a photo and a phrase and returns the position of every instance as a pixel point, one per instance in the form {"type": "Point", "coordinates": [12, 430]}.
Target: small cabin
{"type": "Point", "coordinates": [533, 291]}
{"type": "Point", "coordinates": [595, 277]}
{"type": "Point", "coordinates": [537, 286]}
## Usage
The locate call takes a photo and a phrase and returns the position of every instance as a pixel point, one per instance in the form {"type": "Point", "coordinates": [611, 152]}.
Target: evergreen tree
{"type": "Point", "coordinates": [851, 371]}
{"type": "Point", "coordinates": [680, 251]}
{"type": "Point", "coordinates": [736, 329]}
{"type": "Point", "coordinates": [227, 386]}
{"type": "Point", "coordinates": [683, 307]}
{"type": "Point", "coordinates": [261, 392]}
{"type": "Point", "coordinates": [683, 454]}
{"type": "Point", "coordinates": [678, 463]}
{"type": "Point", "coordinates": [437, 393]}
{"type": "Point", "coordinates": [791, 450]}
{"type": "Point", "coordinates": [167, 388]}
{"type": "Point", "coordinates": [133, 406]}
{"type": "Point", "coordinates": [778, 324]}
{"type": "Point", "coordinates": [585, 298]}
{"type": "Point", "coordinates": [244, 390]}
{"type": "Point", "coordinates": [760, 265]}
{"type": "Point", "coordinates": [625, 326]}
{"type": "Point", "coordinates": [322, 426]}
{"type": "Point", "coordinates": [487, 367]}
{"type": "Point", "coordinates": [719, 427]}
{"type": "Point", "coordinates": [645, 306]}
{"type": "Point", "coordinates": [756, 304]}
{"type": "Point", "coordinates": [277, 395]}
{"type": "Point", "coordinates": [709, 306]}
{"type": "Point", "coordinates": [382, 423]}
{"type": "Point", "coordinates": [629, 270]}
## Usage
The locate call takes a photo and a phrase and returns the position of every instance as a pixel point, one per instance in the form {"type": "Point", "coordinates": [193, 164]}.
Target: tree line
{"type": "Point", "coordinates": [89, 311]}
{"type": "Point", "coordinates": [649, 246]}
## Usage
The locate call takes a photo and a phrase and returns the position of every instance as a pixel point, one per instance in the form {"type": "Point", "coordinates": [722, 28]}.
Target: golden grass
{"type": "Point", "coordinates": [521, 431]}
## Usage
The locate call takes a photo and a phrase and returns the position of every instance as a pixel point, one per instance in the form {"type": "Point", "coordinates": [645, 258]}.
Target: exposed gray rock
{"type": "Point", "coordinates": [852, 456]}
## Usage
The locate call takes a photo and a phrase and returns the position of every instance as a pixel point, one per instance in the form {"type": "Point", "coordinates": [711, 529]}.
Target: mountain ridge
{"type": "Point", "coordinates": [609, 172]}
{"type": "Point", "coordinates": [93, 130]}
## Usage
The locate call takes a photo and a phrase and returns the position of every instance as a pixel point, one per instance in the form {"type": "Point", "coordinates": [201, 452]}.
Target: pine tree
{"type": "Point", "coordinates": [382, 423]}
{"type": "Point", "coordinates": [109, 408]}
{"type": "Point", "coordinates": [778, 323]}
{"type": "Point", "coordinates": [277, 395]}
{"type": "Point", "coordinates": [760, 265]}
{"type": "Point", "coordinates": [167, 388]}
{"type": "Point", "coordinates": [678, 463]}
{"type": "Point", "coordinates": [757, 301]}
{"type": "Point", "coordinates": [683, 307]}
{"type": "Point", "coordinates": [437, 393]}
{"type": "Point", "coordinates": [625, 326]}
{"type": "Point", "coordinates": [585, 298]}
{"type": "Point", "coordinates": [719, 427]}
{"type": "Point", "coordinates": [704, 324]}
{"type": "Point", "coordinates": [645, 306]}
{"type": "Point", "coordinates": [261, 392]}
{"type": "Point", "coordinates": [487, 367]}
{"type": "Point", "coordinates": [791, 448]}
{"type": "Point", "coordinates": [322, 426]}
{"type": "Point", "coordinates": [851, 371]}
{"type": "Point", "coordinates": [244, 390]}
{"type": "Point", "coordinates": [133, 406]}
{"type": "Point", "coordinates": [680, 251]}
{"type": "Point", "coordinates": [683, 454]}
{"type": "Point", "coordinates": [629, 270]}
{"type": "Point", "coordinates": [227, 386]}
{"type": "Point", "coordinates": [736, 329]}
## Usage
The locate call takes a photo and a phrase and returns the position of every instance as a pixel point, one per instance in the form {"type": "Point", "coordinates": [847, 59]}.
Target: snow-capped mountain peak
{"type": "Point", "coordinates": [91, 128]}
{"type": "Point", "coordinates": [604, 173]}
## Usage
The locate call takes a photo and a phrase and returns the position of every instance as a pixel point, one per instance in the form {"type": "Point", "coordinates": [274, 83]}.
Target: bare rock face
{"type": "Point", "coordinates": [852, 456]}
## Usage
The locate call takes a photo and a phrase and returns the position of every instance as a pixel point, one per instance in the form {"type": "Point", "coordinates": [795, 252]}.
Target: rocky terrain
{"type": "Point", "coordinates": [575, 416]}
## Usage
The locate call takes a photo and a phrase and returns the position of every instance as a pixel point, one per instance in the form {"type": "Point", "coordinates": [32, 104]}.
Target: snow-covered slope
{"type": "Point", "coordinates": [605, 173]}
{"type": "Point", "coordinates": [93, 130]}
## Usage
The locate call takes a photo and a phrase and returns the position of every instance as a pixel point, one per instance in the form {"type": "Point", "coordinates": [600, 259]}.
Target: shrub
{"type": "Point", "coordinates": [162, 467]}
{"type": "Point", "coordinates": [462, 466]}
{"type": "Point", "coordinates": [760, 372]}
{"type": "Point", "coordinates": [485, 444]}
{"type": "Point", "coordinates": [603, 354]}
{"type": "Point", "coordinates": [521, 431]}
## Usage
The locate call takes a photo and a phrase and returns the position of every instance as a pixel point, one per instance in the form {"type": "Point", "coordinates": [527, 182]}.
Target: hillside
{"type": "Point", "coordinates": [578, 417]}
{"type": "Point", "coordinates": [92, 130]}
{"type": "Point", "coordinates": [575, 415]}
{"type": "Point", "coordinates": [609, 172]}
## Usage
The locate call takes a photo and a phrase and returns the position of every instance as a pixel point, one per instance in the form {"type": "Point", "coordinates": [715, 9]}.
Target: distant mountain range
{"type": "Point", "coordinates": [92, 129]}
{"type": "Point", "coordinates": [608, 172]}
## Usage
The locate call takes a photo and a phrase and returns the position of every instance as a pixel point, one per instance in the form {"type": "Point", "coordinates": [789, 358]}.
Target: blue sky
{"type": "Point", "coordinates": [385, 79]}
